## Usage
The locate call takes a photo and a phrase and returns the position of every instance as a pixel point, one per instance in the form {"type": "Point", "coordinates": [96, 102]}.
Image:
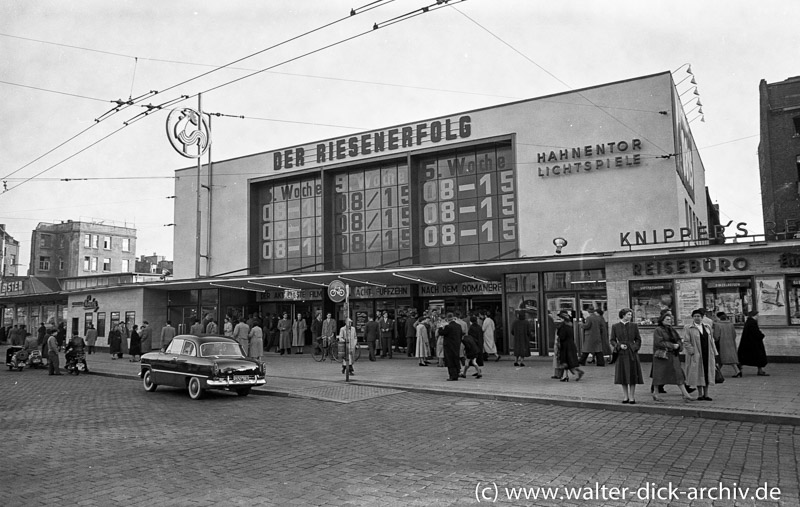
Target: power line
{"type": "Point", "coordinates": [53, 91]}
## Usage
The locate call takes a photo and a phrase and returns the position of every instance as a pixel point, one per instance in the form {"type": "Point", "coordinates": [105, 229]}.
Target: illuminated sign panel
{"type": "Point", "coordinates": [290, 225]}
{"type": "Point", "coordinates": [467, 205]}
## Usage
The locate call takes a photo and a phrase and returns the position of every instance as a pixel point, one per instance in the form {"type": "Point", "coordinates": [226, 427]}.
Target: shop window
{"type": "Point", "coordinates": [114, 319]}
{"type": "Point", "coordinates": [101, 323]}
{"type": "Point", "coordinates": [44, 263]}
{"type": "Point", "coordinates": [793, 300]}
{"type": "Point", "coordinates": [734, 296]}
{"type": "Point", "coordinates": [771, 300]}
{"type": "Point", "coordinates": [130, 319]}
{"type": "Point", "coordinates": [527, 282]}
{"type": "Point", "coordinates": [649, 298]}
{"type": "Point", "coordinates": [589, 279]}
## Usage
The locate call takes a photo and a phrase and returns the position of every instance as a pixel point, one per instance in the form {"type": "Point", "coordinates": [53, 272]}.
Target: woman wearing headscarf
{"type": "Point", "coordinates": [751, 346]}
{"type": "Point", "coordinates": [567, 350]}
{"type": "Point", "coordinates": [698, 343]}
{"type": "Point", "coordinates": [626, 342]}
{"type": "Point", "coordinates": [725, 340]}
{"type": "Point", "coordinates": [667, 364]}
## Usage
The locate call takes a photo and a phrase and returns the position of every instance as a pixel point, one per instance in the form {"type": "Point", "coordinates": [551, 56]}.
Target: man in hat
{"type": "Point", "coordinates": [594, 328]}
{"type": "Point", "coordinates": [53, 367]}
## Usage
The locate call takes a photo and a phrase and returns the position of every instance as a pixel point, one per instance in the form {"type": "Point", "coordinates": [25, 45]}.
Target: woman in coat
{"type": "Point", "coordinates": [725, 340]}
{"type": "Point", "coordinates": [299, 333]}
{"type": "Point", "coordinates": [285, 330]}
{"type": "Point", "coordinates": [124, 334]}
{"type": "Point", "coordinates": [626, 342]}
{"type": "Point", "coordinates": [136, 344]}
{"type": "Point", "coordinates": [521, 331]}
{"type": "Point", "coordinates": [423, 346]}
{"type": "Point", "coordinates": [227, 328]}
{"type": "Point", "coordinates": [668, 370]}
{"type": "Point", "coordinates": [751, 346]}
{"type": "Point", "coordinates": [567, 351]}
{"type": "Point", "coordinates": [698, 344]}
{"type": "Point", "coordinates": [256, 336]}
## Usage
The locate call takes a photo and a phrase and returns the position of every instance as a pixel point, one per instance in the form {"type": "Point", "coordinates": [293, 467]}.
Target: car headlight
{"type": "Point", "coordinates": [262, 368]}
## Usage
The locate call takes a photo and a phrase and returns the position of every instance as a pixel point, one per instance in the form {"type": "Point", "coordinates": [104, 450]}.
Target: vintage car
{"type": "Point", "coordinates": [198, 363]}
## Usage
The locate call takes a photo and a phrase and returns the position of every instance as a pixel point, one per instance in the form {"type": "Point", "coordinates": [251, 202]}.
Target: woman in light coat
{"type": "Point", "coordinates": [299, 333]}
{"type": "Point", "coordinates": [423, 347]}
{"type": "Point", "coordinates": [256, 342]}
{"type": "Point", "coordinates": [285, 330]}
{"type": "Point", "coordinates": [725, 340]}
{"type": "Point", "coordinates": [698, 344]}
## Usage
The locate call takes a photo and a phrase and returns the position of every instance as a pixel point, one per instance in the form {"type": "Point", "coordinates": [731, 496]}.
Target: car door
{"type": "Point", "coordinates": [168, 371]}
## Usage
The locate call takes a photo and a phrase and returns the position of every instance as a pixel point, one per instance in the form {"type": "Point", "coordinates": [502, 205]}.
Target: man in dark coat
{"type": "Point", "coordinates": [594, 331]}
{"type": "Point", "coordinates": [451, 334]}
{"type": "Point", "coordinates": [372, 331]}
{"type": "Point", "coordinates": [387, 334]}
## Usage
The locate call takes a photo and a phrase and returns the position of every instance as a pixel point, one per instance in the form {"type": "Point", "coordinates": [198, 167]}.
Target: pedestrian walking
{"type": "Point", "coordinates": [522, 332]}
{"type": "Point", "coordinates": [698, 344]}
{"type": "Point", "coordinates": [626, 341]}
{"type": "Point", "coordinates": [423, 350]}
{"type": "Point", "coordinates": [316, 331]}
{"type": "Point", "coordinates": [387, 334]}
{"type": "Point", "coordinates": [146, 335]}
{"type": "Point", "coordinates": [451, 346]}
{"type": "Point", "coordinates": [115, 342]}
{"type": "Point", "coordinates": [136, 344]}
{"type": "Point", "coordinates": [285, 329]}
{"type": "Point", "coordinates": [725, 341]}
{"type": "Point", "coordinates": [241, 332]}
{"type": "Point", "coordinates": [471, 351]}
{"type": "Point", "coordinates": [299, 333]}
{"type": "Point", "coordinates": [124, 335]}
{"type": "Point", "coordinates": [593, 338]}
{"type": "Point", "coordinates": [489, 345]}
{"type": "Point", "coordinates": [751, 345]}
{"type": "Point", "coordinates": [666, 363]}
{"type": "Point", "coordinates": [347, 336]}
{"type": "Point", "coordinates": [372, 333]}
{"type": "Point", "coordinates": [167, 334]}
{"type": "Point", "coordinates": [411, 333]}
{"type": "Point", "coordinates": [256, 338]}
{"type": "Point", "coordinates": [91, 339]}
{"type": "Point", "coordinates": [567, 350]}
{"type": "Point", "coordinates": [53, 368]}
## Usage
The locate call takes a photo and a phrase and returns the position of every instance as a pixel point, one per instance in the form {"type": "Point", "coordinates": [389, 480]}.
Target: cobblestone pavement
{"type": "Point", "coordinates": [99, 440]}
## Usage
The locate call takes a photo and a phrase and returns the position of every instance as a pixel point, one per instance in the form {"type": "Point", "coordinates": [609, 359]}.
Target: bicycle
{"type": "Point", "coordinates": [322, 352]}
{"type": "Point", "coordinates": [335, 352]}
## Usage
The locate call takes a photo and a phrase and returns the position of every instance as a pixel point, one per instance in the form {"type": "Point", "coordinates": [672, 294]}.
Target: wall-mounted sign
{"type": "Point", "coordinates": [789, 260]}
{"type": "Point", "coordinates": [91, 303]}
{"type": "Point", "coordinates": [686, 266]}
{"type": "Point", "coordinates": [17, 286]}
{"type": "Point", "coordinates": [377, 142]}
{"type": "Point", "coordinates": [289, 295]}
{"type": "Point", "coordinates": [633, 238]}
{"type": "Point", "coordinates": [461, 289]}
{"type": "Point", "coordinates": [593, 157]}
{"type": "Point", "coordinates": [186, 134]}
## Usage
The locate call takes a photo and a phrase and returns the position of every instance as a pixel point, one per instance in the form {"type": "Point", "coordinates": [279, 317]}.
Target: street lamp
{"type": "Point", "coordinates": [559, 243]}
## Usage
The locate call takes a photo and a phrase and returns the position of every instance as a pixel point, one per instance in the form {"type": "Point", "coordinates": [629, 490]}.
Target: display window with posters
{"type": "Point", "coordinates": [734, 296]}
{"type": "Point", "coordinates": [793, 299]}
{"type": "Point", "coordinates": [771, 300]}
{"type": "Point", "coordinates": [649, 298]}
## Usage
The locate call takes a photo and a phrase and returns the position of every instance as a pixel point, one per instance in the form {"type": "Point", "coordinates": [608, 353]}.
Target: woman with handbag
{"type": "Point", "coordinates": [725, 340]}
{"type": "Point", "coordinates": [698, 343]}
{"type": "Point", "coordinates": [626, 341]}
{"type": "Point", "coordinates": [666, 362]}
{"type": "Point", "coordinates": [751, 346]}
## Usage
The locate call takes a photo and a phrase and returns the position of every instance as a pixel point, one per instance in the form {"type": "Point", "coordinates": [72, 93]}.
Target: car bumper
{"type": "Point", "coordinates": [235, 383]}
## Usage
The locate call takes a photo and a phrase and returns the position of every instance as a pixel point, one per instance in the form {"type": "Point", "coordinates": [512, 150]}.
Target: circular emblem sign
{"type": "Point", "coordinates": [186, 134]}
{"type": "Point", "coordinates": [337, 291]}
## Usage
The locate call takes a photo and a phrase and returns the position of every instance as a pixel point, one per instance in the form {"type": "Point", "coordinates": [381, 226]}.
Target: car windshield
{"type": "Point", "coordinates": [220, 349]}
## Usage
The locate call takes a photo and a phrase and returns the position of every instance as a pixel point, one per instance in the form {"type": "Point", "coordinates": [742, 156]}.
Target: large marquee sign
{"type": "Point", "coordinates": [454, 205]}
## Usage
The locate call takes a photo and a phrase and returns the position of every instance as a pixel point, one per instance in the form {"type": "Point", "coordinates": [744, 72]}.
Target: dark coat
{"type": "Point", "coordinates": [136, 344]}
{"type": "Point", "coordinates": [451, 334]}
{"type": "Point", "coordinates": [567, 351]}
{"type": "Point", "coordinates": [470, 346]}
{"type": "Point", "coordinates": [667, 371]}
{"type": "Point", "coordinates": [751, 345]}
{"type": "Point", "coordinates": [629, 369]}
{"type": "Point", "coordinates": [372, 331]}
{"type": "Point", "coordinates": [114, 342]}
{"type": "Point", "coordinates": [522, 333]}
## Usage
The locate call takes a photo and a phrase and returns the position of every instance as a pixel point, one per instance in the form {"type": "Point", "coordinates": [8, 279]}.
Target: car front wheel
{"type": "Point", "coordinates": [195, 388]}
{"type": "Point", "coordinates": [147, 381]}
{"type": "Point", "coordinates": [243, 391]}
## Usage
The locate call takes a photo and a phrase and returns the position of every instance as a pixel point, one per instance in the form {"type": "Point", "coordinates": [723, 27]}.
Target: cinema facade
{"type": "Point", "coordinates": [590, 198]}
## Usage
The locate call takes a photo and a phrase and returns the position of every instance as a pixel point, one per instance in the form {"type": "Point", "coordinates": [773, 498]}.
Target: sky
{"type": "Point", "coordinates": [64, 63]}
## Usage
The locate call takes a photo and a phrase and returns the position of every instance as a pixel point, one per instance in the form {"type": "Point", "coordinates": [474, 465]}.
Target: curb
{"type": "Point", "coordinates": [756, 418]}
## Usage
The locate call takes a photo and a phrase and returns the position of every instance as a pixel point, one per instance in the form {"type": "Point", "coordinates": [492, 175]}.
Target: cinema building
{"type": "Point", "coordinates": [589, 198]}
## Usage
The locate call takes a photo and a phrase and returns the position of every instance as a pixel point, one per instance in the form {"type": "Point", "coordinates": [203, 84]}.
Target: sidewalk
{"type": "Point", "coordinates": [774, 399]}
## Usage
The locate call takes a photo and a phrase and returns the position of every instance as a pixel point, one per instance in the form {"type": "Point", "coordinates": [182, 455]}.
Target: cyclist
{"type": "Point", "coordinates": [316, 331]}
{"type": "Point", "coordinates": [328, 333]}
{"type": "Point", "coordinates": [348, 335]}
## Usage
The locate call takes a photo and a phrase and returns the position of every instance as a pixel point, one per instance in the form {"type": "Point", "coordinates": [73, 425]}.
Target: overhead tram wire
{"type": "Point", "coordinates": [560, 80]}
{"type": "Point", "coordinates": [411, 14]}
{"type": "Point", "coordinates": [122, 105]}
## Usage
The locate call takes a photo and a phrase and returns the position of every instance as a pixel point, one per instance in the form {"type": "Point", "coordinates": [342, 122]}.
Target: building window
{"type": "Point", "coordinates": [88, 318]}
{"type": "Point", "coordinates": [61, 264]}
{"type": "Point", "coordinates": [95, 240]}
{"type": "Point", "coordinates": [87, 240]}
{"type": "Point", "coordinates": [94, 263]}
{"type": "Point", "coordinates": [44, 241]}
{"type": "Point", "coordinates": [106, 264]}
{"type": "Point", "coordinates": [106, 242]}
{"type": "Point", "coordinates": [649, 298]}
{"type": "Point", "coordinates": [44, 263]}
{"type": "Point", "coordinates": [130, 319]}
{"type": "Point", "coordinates": [126, 265]}
{"type": "Point", "coordinates": [796, 120]}
{"type": "Point", "coordinates": [101, 323]}
{"type": "Point", "coordinates": [126, 244]}
{"type": "Point", "coordinates": [734, 296]}
{"type": "Point", "coordinates": [86, 263]}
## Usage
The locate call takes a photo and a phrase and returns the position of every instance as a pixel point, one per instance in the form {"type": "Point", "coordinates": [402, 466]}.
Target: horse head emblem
{"type": "Point", "coordinates": [187, 132]}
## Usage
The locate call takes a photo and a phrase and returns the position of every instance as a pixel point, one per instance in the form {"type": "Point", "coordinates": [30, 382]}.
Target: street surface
{"type": "Point", "coordinates": [95, 440]}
